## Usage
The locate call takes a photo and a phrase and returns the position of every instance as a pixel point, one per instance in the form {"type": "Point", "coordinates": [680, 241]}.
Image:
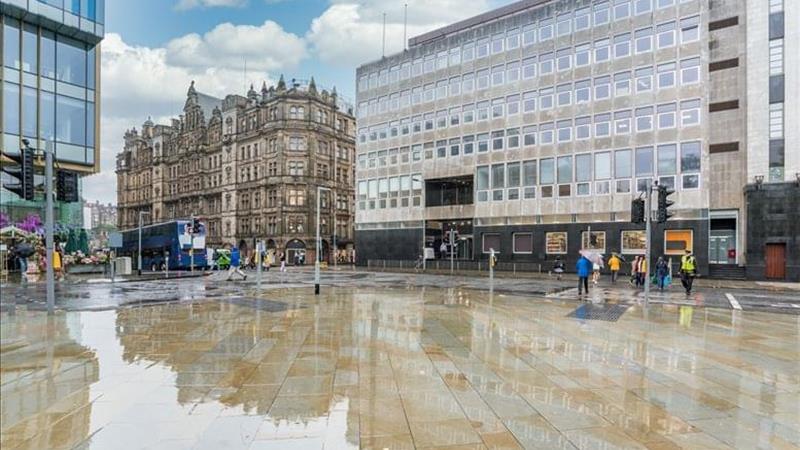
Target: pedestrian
{"type": "Point", "coordinates": [283, 262]}
{"type": "Point", "coordinates": [613, 264]}
{"type": "Point", "coordinates": [58, 267]}
{"type": "Point", "coordinates": [210, 259]}
{"type": "Point", "coordinates": [584, 269]}
{"type": "Point", "coordinates": [23, 251]}
{"type": "Point", "coordinates": [635, 271]}
{"type": "Point", "coordinates": [642, 272]}
{"type": "Point", "coordinates": [662, 272]}
{"type": "Point", "coordinates": [443, 250]}
{"type": "Point", "coordinates": [268, 260]}
{"type": "Point", "coordinates": [688, 271]}
{"type": "Point", "coordinates": [595, 273]}
{"type": "Point", "coordinates": [235, 262]}
{"type": "Point", "coordinates": [558, 268]}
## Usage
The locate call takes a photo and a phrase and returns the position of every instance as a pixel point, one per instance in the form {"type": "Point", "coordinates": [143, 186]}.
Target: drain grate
{"type": "Point", "coordinates": [260, 304]}
{"type": "Point", "coordinates": [589, 311]}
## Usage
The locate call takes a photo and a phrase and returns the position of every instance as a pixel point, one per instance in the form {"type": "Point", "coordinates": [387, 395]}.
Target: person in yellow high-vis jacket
{"type": "Point", "coordinates": [688, 271]}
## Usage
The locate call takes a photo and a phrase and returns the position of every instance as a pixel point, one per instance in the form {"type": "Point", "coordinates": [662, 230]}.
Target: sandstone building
{"type": "Point", "coordinates": [249, 167]}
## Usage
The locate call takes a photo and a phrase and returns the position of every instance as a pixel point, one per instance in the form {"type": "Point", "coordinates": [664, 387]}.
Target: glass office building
{"type": "Point", "coordinates": [50, 84]}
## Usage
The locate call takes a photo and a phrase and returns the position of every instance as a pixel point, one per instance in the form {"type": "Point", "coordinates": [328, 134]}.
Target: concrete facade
{"type": "Point", "coordinates": [249, 167]}
{"type": "Point", "coordinates": [601, 176]}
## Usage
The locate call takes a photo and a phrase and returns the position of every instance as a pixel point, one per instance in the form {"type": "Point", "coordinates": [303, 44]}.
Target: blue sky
{"type": "Point", "coordinates": [153, 49]}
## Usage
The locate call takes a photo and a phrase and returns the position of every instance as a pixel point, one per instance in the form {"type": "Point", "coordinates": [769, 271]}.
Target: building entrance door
{"type": "Point", "coordinates": [464, 248]}
{"type": "Point", "coordinates": [722, 247]}
{"type": "Point", "coordinates": [776, 261]}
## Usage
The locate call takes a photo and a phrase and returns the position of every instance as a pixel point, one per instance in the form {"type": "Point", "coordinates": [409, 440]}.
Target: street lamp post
{"type": "Point", "coordinates": [139, 253]}
{"type": "Point", "coordinates": [319, 246]}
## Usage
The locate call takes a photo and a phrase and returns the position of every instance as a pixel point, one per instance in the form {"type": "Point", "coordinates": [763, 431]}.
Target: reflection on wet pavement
{"type": "Point", "coordinates": [398, 368]}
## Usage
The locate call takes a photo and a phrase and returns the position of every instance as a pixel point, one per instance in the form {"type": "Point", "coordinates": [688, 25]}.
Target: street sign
{"type": "Point", "coordinates": [114, 239]}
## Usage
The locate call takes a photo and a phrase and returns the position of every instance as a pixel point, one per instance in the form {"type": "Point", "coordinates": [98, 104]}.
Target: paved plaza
{"type": "Point", "coordinates": [396, 361]}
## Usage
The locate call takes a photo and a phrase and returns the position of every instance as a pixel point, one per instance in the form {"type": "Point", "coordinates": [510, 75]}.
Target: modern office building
{"type": "Point", "coordinates": [250, 167]}
{"type": "Point", "coordinates": [51, 89]}
{"type": "Point", "coordinates": [530, 129]}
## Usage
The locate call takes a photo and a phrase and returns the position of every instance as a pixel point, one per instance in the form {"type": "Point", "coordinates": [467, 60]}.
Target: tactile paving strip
{"type": "Point", "coordinates": [590, 311]}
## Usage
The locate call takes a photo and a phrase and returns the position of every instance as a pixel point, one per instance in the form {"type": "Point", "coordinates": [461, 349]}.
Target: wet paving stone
{"type": "Point", "coordinates": [394, 366]}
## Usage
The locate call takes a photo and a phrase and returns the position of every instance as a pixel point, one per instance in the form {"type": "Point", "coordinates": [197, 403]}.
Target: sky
{"type": "Point", "coordinates": [153, 49]}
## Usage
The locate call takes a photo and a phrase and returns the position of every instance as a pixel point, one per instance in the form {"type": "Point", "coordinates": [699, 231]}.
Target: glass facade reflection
{"type": "Point", "coordinates": [49, 91]}
{"type": "Point", "coordinates": [49, 82]}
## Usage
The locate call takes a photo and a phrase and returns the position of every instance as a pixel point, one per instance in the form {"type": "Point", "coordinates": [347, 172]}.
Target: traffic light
{"type": "Point", "coordinates": [664, 203]}
{"type": "Point", "coordinates": [637, 211]}
{"type": "Point", "coordinates": [66, 186]}
{"type": "Point", "coordinates": [22, 171]}
{"type": "Point", "coordinates": [195, 225]}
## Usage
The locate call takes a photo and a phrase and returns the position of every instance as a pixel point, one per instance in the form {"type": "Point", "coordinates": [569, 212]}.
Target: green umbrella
{"type": "Point", "coordinates": [83, 241]}
{"type": "Point", "coordinates": [72, 242]}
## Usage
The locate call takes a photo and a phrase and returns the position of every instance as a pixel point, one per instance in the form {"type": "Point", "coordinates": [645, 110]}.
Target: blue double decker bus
{"type": "Point", "coordinates": [173, 240]}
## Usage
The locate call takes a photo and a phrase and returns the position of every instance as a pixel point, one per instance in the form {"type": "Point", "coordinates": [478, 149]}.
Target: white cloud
{"type": "Point", "coordinates": [191, 4]}
{"type": "Point", "coordinates": [351, 32]}
{"type": "Point", "coordinates": [266, 47]}
{"type": "Point", "coordinates": [140, 81]}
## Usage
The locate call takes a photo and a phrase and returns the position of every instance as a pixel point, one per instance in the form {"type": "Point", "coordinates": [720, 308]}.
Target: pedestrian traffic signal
{"type": "Point", "coordinates": [637, 211]}
{"type": "Point", "coordinates": [22, 170]}
{"type": "Point", "coordinates": [664, 203]}
{"type": "Point", "coordinates": [66, 186]}
{"type": "Point", "coordinates": [195, 224]}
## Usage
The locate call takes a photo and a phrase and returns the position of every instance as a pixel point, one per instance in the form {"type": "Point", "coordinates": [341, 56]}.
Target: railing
{"type": "Point", "coordinates": [458, 265]}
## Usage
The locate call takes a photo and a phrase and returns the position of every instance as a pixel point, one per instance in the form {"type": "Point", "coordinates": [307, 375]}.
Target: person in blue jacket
{"type": "Point", "coordinates": [584, 269]}
{"type": "Point", "coordinates": [236, 261]}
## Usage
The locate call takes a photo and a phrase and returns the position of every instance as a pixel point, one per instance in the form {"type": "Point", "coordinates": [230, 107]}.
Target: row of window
{"type": "Point", "coordinates": [632, 242]}
{"type": "Point", "coordinates": [620, 123]}
{"type": "Point", "coordinates": [511, 39]}
{"type": "Point", "coordinates": [51, 55]}
{"type": "Point", "coordinates": [518, 180]}
{"type": "Point", "coordinates": [622, 84]}
{"type": "Point", "coordinates": [526, 69]}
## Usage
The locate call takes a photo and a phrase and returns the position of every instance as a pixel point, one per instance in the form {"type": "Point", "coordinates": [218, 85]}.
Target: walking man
{"type": "Point", "coordinates": [443, 250]}
{"type": "Point", "coordinates": [613, 264]}
{"type": "Point", "coordinates": [283, 262]}
{"type": "Point", "coordinates": [662, 272]}
{"type": "Point", "coordinates": [584, 269]}
{"type": "Point", "coordinates": [688, 271]}
{"type": "Point", "coordinates": [235, 262]}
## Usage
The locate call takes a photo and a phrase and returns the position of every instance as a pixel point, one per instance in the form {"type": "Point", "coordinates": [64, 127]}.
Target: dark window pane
{"type": "Point", "coordinates": [776, 92]}
{"type": "Point", "coordinates": [11, 108]}
{"type": "Point", "coordinates": [11, 43]}
{"type": "Point", "coordinates": [90, 124]}
{"type": "Point", "coordinates": [565, 169]}
{"type": "Point", "coordinates": [491, 242]}
{"type": "Point", "coordinates": [776, 25]}
{"type": "Point", "coordinates": [776, 153]}
{"type": "Point", "coordinates": [71, 124]}
{"type": "Point", "coordinates": [47, 51]}
{"type": "Point", "coordinates": [47, 115]}
{"type": "Point", "coordinates": [690, 157]}
{"type": "Point", "coordinates": [29, 49]}
{"type": "Point", "coordinates": [71, 61]}
{"type": "Point", "coordinates": [90, 60]}
{"type": "Point", "coordinates": [644, 161]}
{"type": "Point", "coordinates": [28, 112]}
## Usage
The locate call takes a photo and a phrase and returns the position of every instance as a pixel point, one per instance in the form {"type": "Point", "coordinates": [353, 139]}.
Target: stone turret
{"type": "Point", "coordinates": [252, 94]}
{"type": "Point", "coordinates": [281, 84]}
{"type": "Point", "coordinates": [312, 87]}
